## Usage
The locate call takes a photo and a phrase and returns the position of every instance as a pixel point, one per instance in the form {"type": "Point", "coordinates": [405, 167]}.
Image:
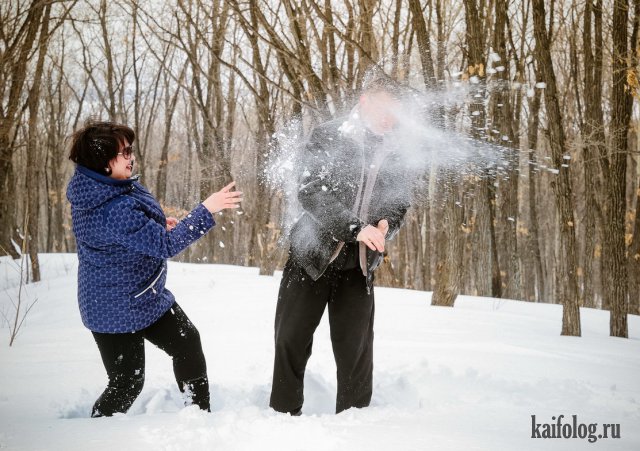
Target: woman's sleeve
{"type": "Point", "coordinates": [129, 226]}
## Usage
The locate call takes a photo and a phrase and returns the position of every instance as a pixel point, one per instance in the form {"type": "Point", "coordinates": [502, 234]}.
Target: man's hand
{"type": "Point", "coordinates": [383, 226]}
{"type": "Point", "coordinates": [372, 237]}
{"type": "Point", "coordinates": [171, 223]}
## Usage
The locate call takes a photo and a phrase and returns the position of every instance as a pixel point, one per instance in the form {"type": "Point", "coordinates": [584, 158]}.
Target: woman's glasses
{"type": "Point", "coordinates": [126, 152]}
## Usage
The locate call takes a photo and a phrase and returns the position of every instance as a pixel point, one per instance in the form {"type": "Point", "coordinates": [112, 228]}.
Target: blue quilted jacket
{"type": "Point", "coordinates": [123, 246]}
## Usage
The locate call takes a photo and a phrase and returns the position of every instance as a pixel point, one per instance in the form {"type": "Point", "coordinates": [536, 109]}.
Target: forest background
{"type": "Point", "coordinates": [209, 87]}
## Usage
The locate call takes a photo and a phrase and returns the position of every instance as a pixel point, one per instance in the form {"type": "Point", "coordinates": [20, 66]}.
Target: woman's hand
{"type": "Point", "coordinates": [372, 237]}
{"type": "Point", "coordinates": [171, 223]}
{"type": "Point", "coordinates": [225, 198]}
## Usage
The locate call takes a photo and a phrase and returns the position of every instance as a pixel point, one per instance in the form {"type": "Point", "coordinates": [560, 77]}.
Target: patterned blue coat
{"type": "Point", "coordinates": [123, 246]}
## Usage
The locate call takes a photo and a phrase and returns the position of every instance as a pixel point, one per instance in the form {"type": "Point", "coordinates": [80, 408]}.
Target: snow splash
{"type": "Point", "coordinates": [425, 139]}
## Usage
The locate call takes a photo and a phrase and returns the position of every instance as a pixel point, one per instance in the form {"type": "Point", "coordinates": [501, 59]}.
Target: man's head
{"type": "Point", "coordinates": [380, 104]}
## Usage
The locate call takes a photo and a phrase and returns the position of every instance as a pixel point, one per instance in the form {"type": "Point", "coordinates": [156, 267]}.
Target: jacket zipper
{"type": "Point", "coordinates": [150, 287]}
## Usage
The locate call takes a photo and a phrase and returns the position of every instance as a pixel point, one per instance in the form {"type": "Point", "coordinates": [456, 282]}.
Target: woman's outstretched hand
{"type": "Point", "coordinates": [225, 198]}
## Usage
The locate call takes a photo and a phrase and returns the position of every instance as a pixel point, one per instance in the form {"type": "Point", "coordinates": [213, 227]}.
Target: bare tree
{"type": "Point", "coordinates": [21, 22]}
{"type": "Point", "coordinates": [614, 169]}
{"type": "Point", "coordinates": [217, 81]}
{"type": "Point", "coordinates": [34, 154]}
{"type": "Point", "coordinates": [504, 110]}
{"type": "Point", "coordinates": [562, 185]}
{"type": "Point", "coordinates": [593, 134]}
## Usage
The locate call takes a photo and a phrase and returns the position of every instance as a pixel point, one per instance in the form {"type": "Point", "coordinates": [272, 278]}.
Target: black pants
{"type": "Point", "coordinates": [123, 358]}
{"type": "Point", "coordinates": [301, 304]}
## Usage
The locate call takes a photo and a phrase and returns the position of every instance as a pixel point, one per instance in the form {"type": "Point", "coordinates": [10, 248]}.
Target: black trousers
{"type": "Point", "coordinates": [123, 358]}
{"type": "Point", "coordinates": [301, 304]}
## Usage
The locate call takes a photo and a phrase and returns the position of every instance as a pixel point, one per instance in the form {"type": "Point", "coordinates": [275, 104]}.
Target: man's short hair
{"type": "Point", "coordinates": [378, 81]}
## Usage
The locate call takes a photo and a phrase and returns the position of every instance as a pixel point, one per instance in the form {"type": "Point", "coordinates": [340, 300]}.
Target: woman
{"type": "Point", "coordinates": [124, 241]}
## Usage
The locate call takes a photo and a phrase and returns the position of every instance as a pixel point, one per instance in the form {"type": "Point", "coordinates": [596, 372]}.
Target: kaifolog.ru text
{"type": "Point", "coordinates": [573, 429]}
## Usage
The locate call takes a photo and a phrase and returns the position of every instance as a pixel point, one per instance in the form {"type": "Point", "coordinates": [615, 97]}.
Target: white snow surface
{"type": "Point", "coordinates": [462, 378]}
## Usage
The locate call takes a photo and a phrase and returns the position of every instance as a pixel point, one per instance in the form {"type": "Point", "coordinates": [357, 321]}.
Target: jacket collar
{"type": "Point", "coordinates": [88, 189]}
{"type": "Point", "coordinates": [106, 179]}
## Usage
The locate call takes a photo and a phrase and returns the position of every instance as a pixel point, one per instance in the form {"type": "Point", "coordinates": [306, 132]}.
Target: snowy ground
{"type": "Point", "coordinates": [467, 378]}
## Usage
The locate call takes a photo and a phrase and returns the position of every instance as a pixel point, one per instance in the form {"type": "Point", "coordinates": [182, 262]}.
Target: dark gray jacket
{"type": "Point", "coordinates": [333, 161]}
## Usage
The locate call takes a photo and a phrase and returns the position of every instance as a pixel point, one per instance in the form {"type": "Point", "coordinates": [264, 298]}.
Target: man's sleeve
{"type": "Point", "coordinates": [396, 202]}
{"type": "Point", "coordinates": [316, 193]}
{"type": "Point", "coordinates": [395, 218]}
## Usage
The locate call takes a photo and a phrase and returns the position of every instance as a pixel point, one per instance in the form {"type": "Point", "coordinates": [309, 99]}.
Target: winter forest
{"type": "Point", "coordinates": [215, 89]}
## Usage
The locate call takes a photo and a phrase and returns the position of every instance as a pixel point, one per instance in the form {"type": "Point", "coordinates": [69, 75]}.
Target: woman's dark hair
{"type": "Point", "coordinates": [97, 143]}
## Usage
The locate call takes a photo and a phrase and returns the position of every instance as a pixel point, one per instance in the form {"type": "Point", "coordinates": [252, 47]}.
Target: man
{"type": "Point", "coordinates": [354, 194]}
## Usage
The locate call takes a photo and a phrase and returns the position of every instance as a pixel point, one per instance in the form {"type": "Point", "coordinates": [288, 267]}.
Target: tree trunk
{"type": "Point", "coordinates": [17, 58]}
{"type": "Point", "coordinates": [505, 122]}
{"type": "Point", "coordinates": [594, 139]}
{"type": "Point", "coordinates": [34, 166]}
{"type": "Point", "coordinates": [562, 184]}
{"type": "Point", "coordinates": [614, 261]}
{"type": "Point", "coordinates": [170, 108]}
{"type": "Point", "coordinates": [424, 43]}
{"type": "Point", "coordinates": [488, 280]}
{"type": "Point", "coordinates": [449, 252]}
{"type": "Point", "coordinates": [534, 242]}
{"type": "Point", "coordinates": [634, 259]}
{"type": "Point", "coordinates": [634, 247]}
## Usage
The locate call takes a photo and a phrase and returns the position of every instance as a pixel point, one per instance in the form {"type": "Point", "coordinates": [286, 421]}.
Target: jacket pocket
{"type": "Point", "coordinates": [152, 287]}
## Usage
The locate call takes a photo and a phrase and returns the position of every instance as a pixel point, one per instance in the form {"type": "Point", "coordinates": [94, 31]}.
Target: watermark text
{"type": "Point", "coordinates": [570, 427]}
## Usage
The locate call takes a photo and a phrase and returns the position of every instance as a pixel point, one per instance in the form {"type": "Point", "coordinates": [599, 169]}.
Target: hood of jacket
{"type": "Point", "coordinates": [88, 189]}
